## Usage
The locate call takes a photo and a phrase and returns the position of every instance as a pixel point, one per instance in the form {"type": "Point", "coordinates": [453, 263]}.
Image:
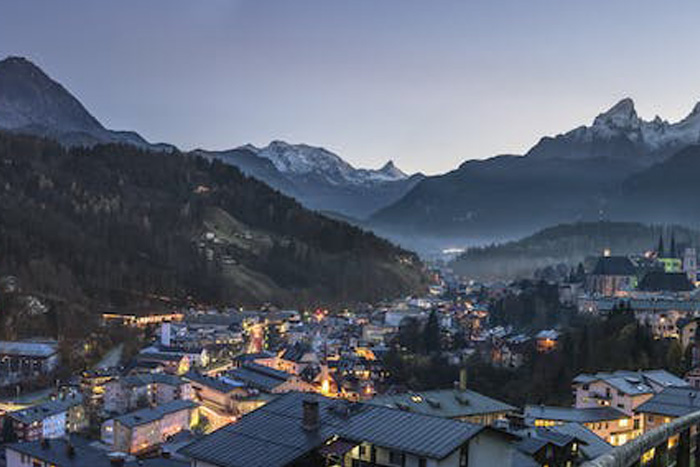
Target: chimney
{"type": "Point", "coordinates": [463, 379]}
{"type": "Point", "coordinates": [310, 417]}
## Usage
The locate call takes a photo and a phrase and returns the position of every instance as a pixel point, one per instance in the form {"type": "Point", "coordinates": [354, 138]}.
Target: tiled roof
{"type": "Point", "coordinates": [447, 403]}
{"type": "Point", "coordinates": [273, 435]}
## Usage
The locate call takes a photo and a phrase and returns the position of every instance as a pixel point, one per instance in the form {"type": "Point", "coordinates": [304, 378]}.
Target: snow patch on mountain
{"type": "Point", "coordinates": [301, 159]}
{"type": "Point", "coordinates": [654, 135]}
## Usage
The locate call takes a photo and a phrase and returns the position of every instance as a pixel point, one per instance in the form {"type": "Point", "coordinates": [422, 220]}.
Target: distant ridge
{"type": "Point", "coordinates": [32, 103]}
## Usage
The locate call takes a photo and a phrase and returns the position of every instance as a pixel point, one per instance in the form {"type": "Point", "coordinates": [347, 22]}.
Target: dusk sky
{"type": "Point", "coordinates": [428, 83]}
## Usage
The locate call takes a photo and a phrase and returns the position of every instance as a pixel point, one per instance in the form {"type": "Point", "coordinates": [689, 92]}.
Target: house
{"type": "Point", "coordinates": [612, 275]}
{"type": "Point", "coordinates": [457, 404]}
{"type": "Point", "coordinates": [670, 403]}
{"type": "Point", "coordinates": [309, 429]}
{"type": "Point", "coordinates": [26, 360]}
{"type": "Point", "coordinates": [611, 425]}
{"type": "Point", "coordinates": [172, 363]}
{"type": "Point", "coordinates": [74, 453]}
{"type": "Point", "coordinates": [145, 429]}
{"type": "Point", "coordinates": [622, 390]}
{"type": "Point", "coordinates": [141, 390]}
{"type": "Point", "coordinates": [546, 340]}
{"type": "Point", "coordinates": [51, 419]}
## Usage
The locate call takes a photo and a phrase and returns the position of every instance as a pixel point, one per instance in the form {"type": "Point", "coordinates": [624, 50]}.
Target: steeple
{"type": "Point", "coordinates": [673, 253]}
{"type": "Point", "coordinates": [660, 248]}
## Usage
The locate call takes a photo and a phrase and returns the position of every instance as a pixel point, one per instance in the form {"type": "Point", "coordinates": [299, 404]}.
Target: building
{"type": "Point", "coordinates": [49, 420]}
{"type": "Point", "coordinates": [464, 405]}
{"type": "Point", "coordinates": [223, 400]}
{"type": "Point", "coordinates": [546, 340]}
{"type": "Point", "coordinates": [146, 429]}
{"type": "Point", "coordinates": [26, 360]}
{"type": "Point", "coordinates": [143, 390]}
{"type": "Point", "coordinates": [172, 363]}
{"type": "Point", "coordinates": [269, 380]}
{"type": "Point", "coordinates": [670, 403]}
{"type": "Point", "coordinates": [621, 390]}
{"type": "Point", "coordinates": [610, 425]}
{"type": "Point", "coordinates": [612, 275]}
{"type": "Point", "coordinates": [74, 453]}
{"type": "Point", "coordinates": [308, 429]}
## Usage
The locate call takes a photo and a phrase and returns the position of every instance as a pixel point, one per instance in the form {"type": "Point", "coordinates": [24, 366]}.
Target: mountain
{"type": "Point", "coordinates": [33, 103]}
{"type": "Point", "coordinates": [568, 244]}
{"type": "Point", "coordinates": [570, 177]}
{"type": "Point", "coordinates": [115, 225]}
{"type": "Point", "coordinates": [318, 178]}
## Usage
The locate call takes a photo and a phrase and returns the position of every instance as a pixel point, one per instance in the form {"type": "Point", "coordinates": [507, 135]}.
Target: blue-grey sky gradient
{"type": "Point", "coordinates": [426, 83]}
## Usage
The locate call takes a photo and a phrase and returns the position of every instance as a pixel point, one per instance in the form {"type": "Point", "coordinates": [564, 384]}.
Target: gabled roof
{"type": "Point", "coordinates": [673, 402]}
{"type": "Point", "coordinates": [273, 435]}
{"type": "Point", "coordinates": [446, 403]}
{"type": "Point", "coordinates": [614, 266]}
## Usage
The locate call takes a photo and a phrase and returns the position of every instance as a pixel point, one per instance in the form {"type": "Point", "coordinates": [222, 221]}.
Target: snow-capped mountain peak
{"type": "Point", "coordinates": [620, 132]}
{"type": "Point", "coordinates": [304, 160]}
{"type": "Point", "coordinates": [621, 116]}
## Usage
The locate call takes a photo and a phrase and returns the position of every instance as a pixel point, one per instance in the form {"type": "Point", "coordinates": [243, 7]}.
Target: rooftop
{"type": "Point", "coordinates": [614, 266]}
{"type": "Point", "coordinates": [673, 402]}
{"type": "Point", "coordinates": [151, 414]}
{"type": "Point", "coordinates": [570, 414]}
{"type": "Point", "coordinates": [47, 409]}
{"type": "Point", "coordinates": [29, 349]}
{"type": "Point", "coordinates": [273, 435]}
{"type": "Point", "coordinates": [447, 403]}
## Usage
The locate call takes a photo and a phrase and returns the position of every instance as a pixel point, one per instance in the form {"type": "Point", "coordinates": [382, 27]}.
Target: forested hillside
{"type": "Point", "coordinates": [565, 243]}
{"type": "Point", "coordinates": [114, 225]}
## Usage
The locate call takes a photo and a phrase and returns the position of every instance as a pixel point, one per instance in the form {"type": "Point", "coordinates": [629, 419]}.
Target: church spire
{"type": "Point", "coordinates": [660, 248]}
{"type": "Point", "coordinates": [673, 253]}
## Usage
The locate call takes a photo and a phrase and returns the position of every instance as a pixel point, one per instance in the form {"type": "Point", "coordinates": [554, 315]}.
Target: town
{"type": "Point", "coordinates": [470, 374]}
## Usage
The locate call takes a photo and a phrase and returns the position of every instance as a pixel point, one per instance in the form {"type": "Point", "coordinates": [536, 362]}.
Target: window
{"type": "Point", "coordinates": [395, 458]}
{"type": "Point", "coordinates": [422, 462]}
